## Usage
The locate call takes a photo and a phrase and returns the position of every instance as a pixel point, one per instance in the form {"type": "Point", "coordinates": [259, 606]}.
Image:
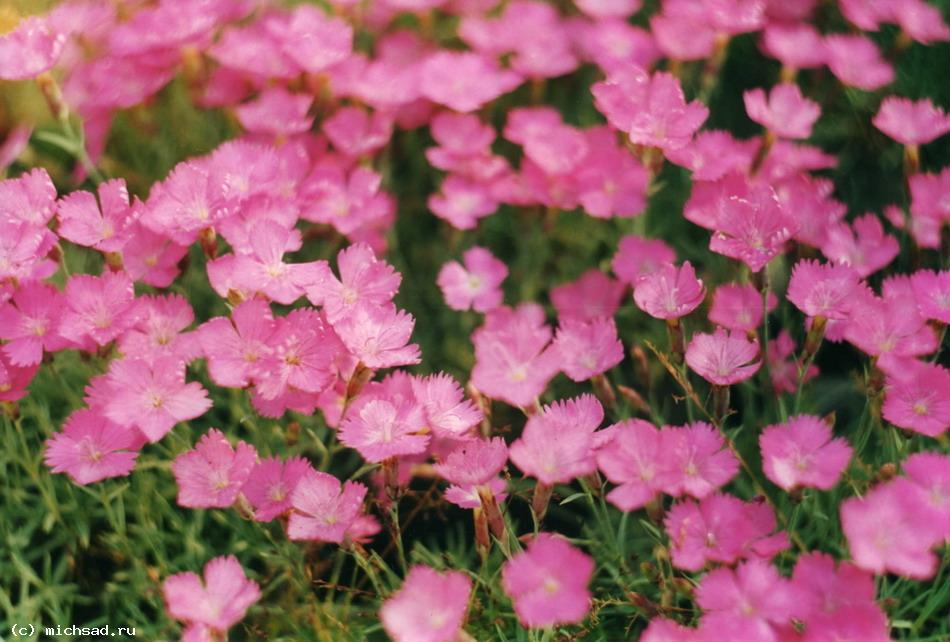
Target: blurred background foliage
{"type": "Point", "coordinates": [97, 555]}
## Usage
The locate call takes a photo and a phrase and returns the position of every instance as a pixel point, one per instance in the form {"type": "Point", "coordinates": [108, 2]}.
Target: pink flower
{"type": "Point", "coordinates": [29, 199]}
{"type": "Point", "coordinates": [593, 296]}
{"type": "Point", "coordinates": [911, 123]}
{"type": "Point", "coordinates": [447, 413]}
{"type": "Point", "coordinates": [513, 361]}
{"type": "Point", "coordinates": [477, 284]}
{"type": "Point", "coordinates": [98, 308]}
{"type": "Point", "coordinates": [918, 397]}
{"type": "Point", "coordinates": [464, 146]}
{"type": "Point", "coordinates": [683, 30]}
{"type": "Point", "coordinates": [475, 462]}
{"type": "Point", "coordinates": [323, 509]}
{"type": "Point", "coordinates": [638, 257]}
{"type": "Point", "coordinates": [932, 291]}
{"type": "Point", "coordinates": [548, 582]}
{"type": "Point", "coordinates": [381, 428]}
{"type": "Point", "coordinates": [752, 228]}
{"type": "Point", "coordinates": [30, 49]}
{"type": "Point", "coordinates": [554, 147]}
{"type": "Point", "coordinates": [930, 474]}
{"type": "Point", "coordinates": [863, 245]}
{"type": "Point", "coordinates": [364, 280]}
{"type": "Point", "coordinates": [783, 365]}
{"type": "Point", "coordinates": [30, 323]}
{"type": "Point", "coordinates": [721, 528]}
{"type": "Point", "coordinates": [785, 113]}
{"type": "Point", "coordinates": [14, 144]}
{"type": "Point", "coordinates": [633, 459]}
{"type": "Point", "coordinates": [663, 630]}
{"type": "Point", "coordinates": [887, 534]}
{"type": "Point", "coordinates": [650, 109]}
{"type": "Point", "coordinates": [235, 347]}
{"type": "Point", "coordinates": [713, 154]}
{"type": "Point", "coordinates": [158, 330]}
{"type": "Point", "coordinates": [856, 61]}
{"type": "Point", "coordinates": [588, 348]}
{"type": "Point", "coordinates": [929, 208]}
{"type": "Point", "coordinates": [609, 8]}
{"type": "Point", "coordinates": [670, 292]}
{"type": "Point", "coordinates": [152, 396]}
{"type": "Point", "coordinates": [189, 200]}
{"type": "Point", "coordinates": [739, 307]}
{"type": "Point", "coordinates": [219, 602]}
{"type": "Point", "coordinates": [695, 460]}
{"type": "Point", "coordinates": [557, 443]}
{"type": "Point", "coordinates": [470, 496]}
{"type": "Point", "coordinates": [890, 325]}
{"type": "Point", "coordinates": [91, 448]}
{"type": "Point", "coordinates": [301, 355]}
{"type": "Point", "coordinates": [746, 603]}
{"type": "Point", "coordinates": [820, 289]}
{"type": "Point", "coordinates": [428, 607]}
{"type": "Point", "coordinates": [106, 226]}
{"type": "Point", "coordinates": [462, 202]}
{"type": "Point", "coordinates": [611, 182]}
{"type": "Point", "coordinates": [464, 81]}
{"type": "Point", "coordinates": [211, 475]}
{"type": "Point", "coordinates": [379, 336]}
{"type": "Point", "coordinates": [723, 358]}
{"type": "Point", "coordinates": [801, 452]}
{"type": "Point", "coordinates": [270, 484]}
{"type": "Point", "coordinates": [151, 258]}
{"type": "Point", "coordinates": [14, 379]}
{"type": "Point", "coordinates": [312, 39]}
{"type": "Point", "coordinates": [798, 46]}
{"type": "Point", "coordinates": [357, 134]}
{"type": "Point", "coordinates": [921, 21]}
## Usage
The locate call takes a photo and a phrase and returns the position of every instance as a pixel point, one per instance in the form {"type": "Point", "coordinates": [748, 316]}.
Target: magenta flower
{"type": "Point", "coordinates": [464, 81]}
{"type": "Point", "coordinates": [802, 453]}
{"type": "Point", "coordinates": [695, 460]}
{"type": "Point", "coordinates": [475, 462]}
{"type": "Point", "coordinates": [32, 48]}
{"type": "Point", "coordinates": [235, 347]}
{"type": "Point", "coordinates": [670, 292]}
{"type": "Point", "coordinates": [382, 428]}
{"type": "Point", "coordinates": [323, 509]}
{"type": "Point", "coordinates": [721, 528]}
{"type": "Point", "coordinates": [428, 607]}
{"type": "Point", "coordinates": [106, 226]}
{"type": "Point", "coordinates": [752, 228]}
{"type": "Point", "coordinates": [548, 582]}
{"type": "Point", "coordinates": [158, 330]}
{"type": "Point", "coordinates": [152, 396]}
{"type": "Point", "coordinates": [863, 245]}
{"type": "Point", "coordinates": [911, 123]}
{"type": "Point", "coordinates": [270, 484]}
{"type": "Point", "coordinates": [857, 62]}
{"type": "Point", "coordinates": [557, 443]}
{"type": "Point", "coordinates": [723, 358]}
{"type": "Point", "coordinates": [217, 603]}
{"type": "Point", "coordinates": [588, 348]}
{"type": "Point", "coordinates": [462, 202]}
{"type": "Point", "coordinates": [822, 290]}
{"type": "Point", "coordinates": [364, 279]}
{"type": "Point", "coordinates": [932, 291]}
{"type": "Point", "coordinates": [477, 284]}
{"type": "Point", "coordinates": [29, 323]}
{"type": "Point", "coordinates": [211, 475]}
{"type": "Point", "coordinates": [447, 413]}
{"type": "Point", "coordinates": [785, 112]}
{"type": "Point", "coordinates": [633, 459]}
{"type": "Point", "coordinates": [739, 307]}
{"type": "Point", "coordinates": [513, 361]}
{"type": "Point", "coordinates": [91, 448]}
{"type": "Point", "coordinates": [592, 296]}
{"type": "Point", "coordinates": [918, 397]}
{"type": "Point", "coordinates": [650, 109]}
{"type": "Point", "coordinates": [379, 336]}
{"type": "Point", "coordinates": [98, 308]}
{"type": "Point", "coordinates": [638, 257]}
{"type": "Point", "coordinates": [888, 534]}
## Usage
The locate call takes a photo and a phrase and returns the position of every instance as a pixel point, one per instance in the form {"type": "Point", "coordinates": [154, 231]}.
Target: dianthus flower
{"type": "Point", "coordinates": [270, 484]}
{"type": "Point", "coordinates": [91, 448]}
{"type": "Point", "coordinates": [447, 413]}
{"type": "Point", "coordinates": [364, 279]}
{"type": "Point", "coordinates": [106, 225]}
{"type": "Point", "coordinates": [462, 202]}
{"type": "Point", "coordinates": [211, 475]}
{"type": "Point", "coordinates": [739, 307]}
{"type": "Point", "coordinates": [474, 462]}
{"type": "Point", "coordinates": [356, 133]}
{"type": "Point", "coordinates": [464, 81]}
{"type": "Point", "coordinates": [932, 291]}
{"type": "Point", "coordinates": [802, 452]}
{"type": "Point", "coordinates": [863, 245]}
{"type": "Point", "coordinates": [930, 475]}
{"type": "Point", "coordinates": [857, 62]}
{"type": "Point", "coordinates": [638, 257]}
{"type": "Point", "coordinates": [32, 48]}
{"type": "Point", "coordinates": [380, 428]}
{"type": "Point", "coordinates": [712, 154]}
{"type": "Point", "coordinates": [633, 459]}
{"type": "Point", "coordinates": [301, 356]}
{"type": "Point", "coordinates": [217, 603]}
{"type": "Point", "coordinates": [592, 296]}
{"type": "Point", "coordinates": [695, 460]}
{"type": "Point", "coordinates": [588, 348]}
{"type": "Point", "coordinates": [323, 508]}
{"type": "Point", "coordinates": [822, 290]}
{"type": "Point", "coordinates": [158, 331]}
{"type": "Point", "coordinates": [476, 284]}
{"type": "Point", "coordinates": [670, 292]}
{"type": "Point", "coordinates": [723, 358]}
{"type": "Point", "coordinates": [235, 347]}
{"type": "Point", "coordinates": [379, 336]}
{"type": "Point", "coordinates": [911, 123]}
{"type": "Point", "coordinates": [918, 397]}
{"type": "Point", "coordinates": [752, 228]}
{"type": "Point", "coordinates": [428, 607]}
{"type": "Point", "coordinates": [14, 379]}
{"type": "Point", "coordinates": [29, 323]}
{"type": "Point", "coordinates": [98, 308]}
{"type": "Point", "coordinates": [785, 113]}
{"type": "Point", "coordinates": [30, 198]}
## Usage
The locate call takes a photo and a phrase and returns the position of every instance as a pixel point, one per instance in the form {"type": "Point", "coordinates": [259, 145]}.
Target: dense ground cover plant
{"type": "Point", "coordinates": [452, 320]}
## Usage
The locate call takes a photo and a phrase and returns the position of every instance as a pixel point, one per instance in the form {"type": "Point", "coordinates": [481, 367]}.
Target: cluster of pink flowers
{"type": "Point", "coordinates": [316, 114]}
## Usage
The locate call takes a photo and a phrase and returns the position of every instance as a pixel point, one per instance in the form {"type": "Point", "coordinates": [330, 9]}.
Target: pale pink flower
{"type": "Point", "coordinates": [356, 133]}
{"type": "Point", "coordinates": [91, 448]}
{"type": "Point", "coordinates": [311, 38]}
{"type": "Point", "coordinates": [152, 258]}
{"type": "Point", "coordinates": [464, 146]}
{"type": "Point", "coordinates": [270, 484]}
{"type": "Point", "coordinates": [301, 357]}
{"type": "Point", "coordinates": [548, 582]}
{"type": "Point", "coordinates": [188, 201]}
{"type": "Point", "coordinates": [276, 112]}
{"type": "Point", "coordinates": [364, 280]}
{"type": "Point", "coordinates": [379, 336]}
{"type": "Point", "coordinates": [464, 81]}
{"type": "Point", "coordinates": [797, 46]}
{"type": "Point", "coordinates": [557, 443]}
{"type": "Point", "coordinates": [739, 307]}
{"type": "Point", "coordinates": [821, 289]}
{"type": "Point", "coordinates": [638, 257]}
{"type": "Point", "coordinates": [211, 475]}
{"type": "Point", "coordinates": [23, 250]}
{"type": "Point", "coordinates": [610, 181]}
{"type": "Point", "coordinates": [381, 428]}
{"type": "Point", "coordinates": [802, 453]}
{"type": "Point", "coordinates": [255, 49]}
{"type": "Point", "coordinates": [550, 144]}
{"type": "Point", "coordinates": [159, 330]}
{"type": "Point", "coordinates": [890, 325]}
{"type": "Point", "coordinates": [921, 21]}
{"type": "Point", "coordinates": [683, 30]}
{"type": "Point", "coordinates": [610, 43]}
{"type": "Point", "coordinates": [911, 123]}
{"type": "Point", "coordinates": [752, 228]}
{"type": "Point", "coordinates": [785, 112]}
{"type": "Point", "coordinates": [98, 308]}
{"type": "Point", "coordinates": [723, 358]}
{"type": "Point", "coordinates": [887, 534]}
{"type": "Point", "coordinates": [695, 460]}
{"type": "Point", "coordinates": [712, 154]}
{"type": "Point", "coordinates": [930, 474]}
{"type": "Point", "coordinates": [462, 202]}
{"type": "Point", "coordinates": [918, 397]}
{"type": "Point", "coordinates": [929, 207]}
{"type": "Point", "coordinates": [235, 347]}
{"type": "Point", "coordinates": [475, 462]}
{"type": "Point", "coordinates": [476, 284]}
{"type": "Point", "coordinates": [588, 348]}
{"type": "Point", "coordinates": [428, 607]}
{"type": "Point", "coordinates": [29, 323]}
{"type": "Point", "coordinates": [448, 414]}
{"type": "Point", "coordinates": [513, 361]}
{"type": "Point", "coordinates": [30, 198]}
{"type": "Point", "coordinates": [152, 396]}
{"type": "Point", "coordinates": [670, 292]}
{"type": "Point", "coordinates": [105, 226]}
{"type": "Point", "coordinates": [863, 245]}
{"type": "Point", "coordinates": [323, 508]}
{"type": "Point", "coordinates": [650, 109]}
{"type": "Point", "coordinates": [932, 291]}
{"type": "Point", "coordinates": [219, 602]}
{"type": "Point", "coordinates": [32, 48]}
{"type": "Point", "coordinates": [721, 528]}
{"type": "Point", "coordinates": [857, 62]}
{"type": "Point", "coordinates": [592, 296]}
{"type": "Point", "coordinates": [633, 460]}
